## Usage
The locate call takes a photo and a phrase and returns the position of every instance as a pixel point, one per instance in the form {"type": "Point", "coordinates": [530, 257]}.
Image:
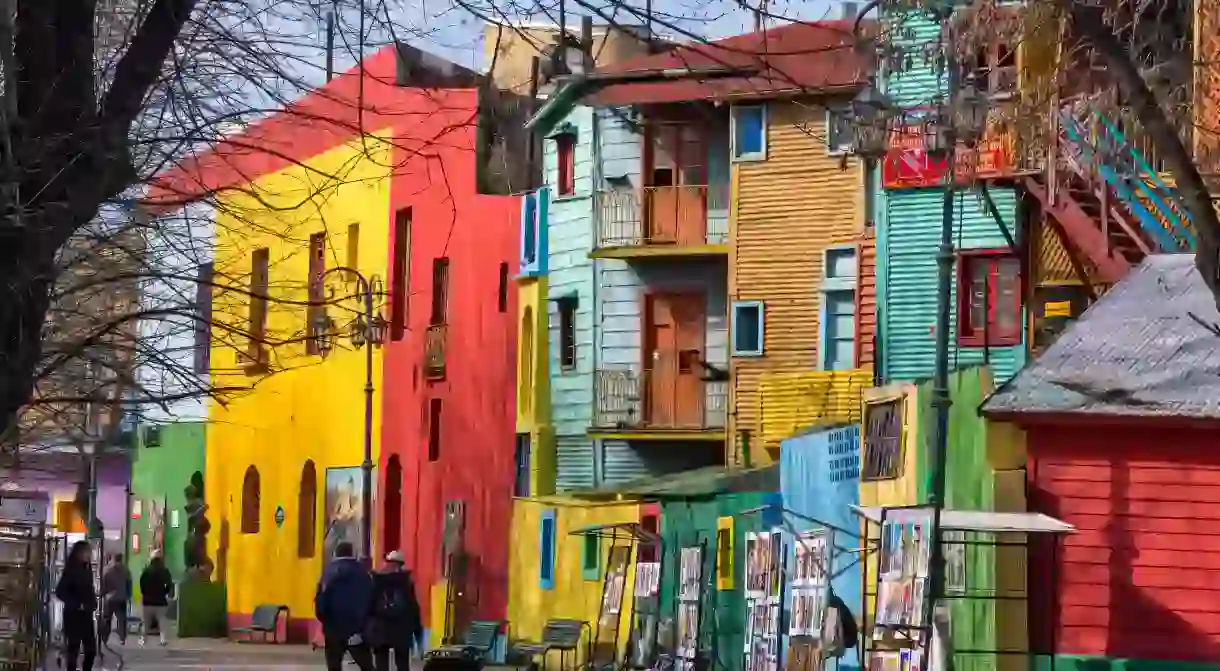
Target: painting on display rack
{"type": "Point", "coordinates": [344, 509]}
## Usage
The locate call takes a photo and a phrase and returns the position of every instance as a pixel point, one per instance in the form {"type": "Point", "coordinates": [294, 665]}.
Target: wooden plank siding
{"type": "Point", "coordinates": [866, 300]}
{"type": "Point", "coordinates": [786, 210]}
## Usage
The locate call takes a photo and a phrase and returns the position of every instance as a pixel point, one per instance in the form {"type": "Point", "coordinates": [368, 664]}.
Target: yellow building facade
{"type": "Point", "coordinates": [269, 448]}
{"type": "Point", "coordinates": [533, 384]}
{"type": "Point", "coordinates": [801, 199]}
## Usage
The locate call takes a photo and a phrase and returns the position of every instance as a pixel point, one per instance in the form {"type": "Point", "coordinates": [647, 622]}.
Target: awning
{"type": "Point", "coordinates": [619, 530]}
{"type": "Point", "coordinates": [986, 522]}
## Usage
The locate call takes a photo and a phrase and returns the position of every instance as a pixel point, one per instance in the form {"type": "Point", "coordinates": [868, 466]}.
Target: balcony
{"type": "Point", "coordinates": [434, 352]}
{"type": "Point", "coordinates": [631, 404]}
{"type": "Point", "coordinates": [685, 220]}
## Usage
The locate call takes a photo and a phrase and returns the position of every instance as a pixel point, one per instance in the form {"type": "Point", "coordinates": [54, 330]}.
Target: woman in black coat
{"type": "Point", "coordinates": [75, 590]}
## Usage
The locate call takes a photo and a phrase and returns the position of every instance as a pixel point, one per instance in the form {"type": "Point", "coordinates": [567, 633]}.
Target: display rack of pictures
{"type": "Point", "coordinates": [903, 579]}
{"type": "Point", "coordinates": [690, 592]}
{"type": "Point", "coordinates": [646, 614]}
{"type": "Point", "coordinates": [765, 552]}
{"type": "Point", "coordinates": [810, 587]}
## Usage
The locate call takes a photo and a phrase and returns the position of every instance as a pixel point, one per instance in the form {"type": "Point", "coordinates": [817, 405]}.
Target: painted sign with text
{"type": "Point", "coordinates": [907, 163]}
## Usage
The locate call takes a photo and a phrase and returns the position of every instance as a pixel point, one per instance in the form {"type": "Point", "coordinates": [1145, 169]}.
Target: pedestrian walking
{"type": "Point", "coordinates": [342, 604]}
{"type": "Point", "coordinates": [156, 589]}
{"type": "Point", "coordinates": [75, 591]}
{"type": "Point", "coordinates": [116, 596]}
{"type": "Point", "coordinates": [395, 622]}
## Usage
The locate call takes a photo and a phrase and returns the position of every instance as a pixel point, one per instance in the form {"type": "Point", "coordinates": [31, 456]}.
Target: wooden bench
{"type": "Point", "coordinates": [477, 641]}
{"type": "Point", "coordinates": [562, 636]}
{"type": "Point", "coordinates": [264, 621]}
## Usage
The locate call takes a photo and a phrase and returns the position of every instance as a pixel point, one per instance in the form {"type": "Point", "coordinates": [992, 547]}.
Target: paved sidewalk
{"type": "Point", "coordinates": [216, 655]}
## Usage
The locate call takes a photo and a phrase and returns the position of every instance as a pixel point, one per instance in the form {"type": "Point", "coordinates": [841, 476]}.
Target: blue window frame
{"type": "Point", "coordinates": [837, 336]}
{"type": "Point", "coordinates": [748, 328]}
{"type": "Point", "coordinates": [546, 554]}
{"type": "Point", "coordinates": [749, 132]}
{"type": "Point", "coordinates": [534, 207]}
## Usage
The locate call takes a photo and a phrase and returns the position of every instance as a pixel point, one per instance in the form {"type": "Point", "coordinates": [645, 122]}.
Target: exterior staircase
{"type": "Point", "coordinates": [1108, 201]}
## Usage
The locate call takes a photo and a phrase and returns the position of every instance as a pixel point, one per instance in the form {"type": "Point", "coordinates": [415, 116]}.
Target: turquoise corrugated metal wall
{"type": "Point", "coordinates": [570, 237]}
{"type": "Point", "coordinates": [916, 84]}
{"type": "Point", "coordinates": [911, 231]}
{"type": "Point", "coordinates": [820, 478]}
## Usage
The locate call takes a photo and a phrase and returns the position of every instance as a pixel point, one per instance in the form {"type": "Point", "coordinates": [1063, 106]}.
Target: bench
{"type": "Point", "coordinates": [264, 621]}
{"type": "Point", "coordinates": [477, 641]}
{"type": "Point", "coordinates": [562, 636]}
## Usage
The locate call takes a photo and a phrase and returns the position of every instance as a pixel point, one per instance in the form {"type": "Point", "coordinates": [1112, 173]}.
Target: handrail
{"type": "Point", "coordinates": [1179, 211]}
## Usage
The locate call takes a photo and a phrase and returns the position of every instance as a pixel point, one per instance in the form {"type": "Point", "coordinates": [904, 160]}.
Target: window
{"type": "Point", "coordinates": [567, 332]}
{"type": "Point", "coordinates": [502, 296]}
{"type": "Point", "coordinates": [989, 300]}
{"type": "Point", "coordinates": [837, 346]}
{"type": "Point", "coordinates": [724, 553]}
{"type": "Point", "coordinates": [393, 504]}
{"type": "Point", "coordinates": [954, 543]}
{"type": "Point", "coordinates": [870, 195]}
{"type": "Point", "coordinates": [546, 551]}
{"type": "Point", "coordinates": [840, 136]}
{"type": "Point", "coordinates": [307, 510]}
{"type": "Point", "coordinates": [525, 379]}
{"type": "Point", "coordinates": [589, 561]}
{"type": "Point", "coordinates": [250, 494]}
{"type": "Point", "coordinates": [651, 523]}
{"type": "Point", "coordinates": [203, 318]}
{"type": "Point", "coordinates": [259, 262]}
{"type": "Point", "coordinates": [994, 68]}
{"type": "Point", "coordinates": [434, 429]}
{"type": "Point", "coordinates": [353, 246]}
{"type": "Point", "coordinates": [749, 132]}
{"type": "Point", "coordinates": [883, 453]}
{"type": "Point", "coordinates": [400, 278]}
{"type": "Point", "coordinates": [747, 328]}
{"type": "Point", "coordinates": [565, 152]}
{"type": "Point", "coordinates": [440, 290]}
{"type": "Point", "coordinates": [521, 484]}
{"type": "Point", "coordinates": [317, 298]}
{"type": "Point", "coordinates": [529, 229]}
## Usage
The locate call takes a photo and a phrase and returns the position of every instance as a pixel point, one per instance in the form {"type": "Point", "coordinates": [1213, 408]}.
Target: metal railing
{"type": "Point", "coordinates": [620, 401]}
{"type": "Point", "coordinates": [668, 209]}
{"type": "Point", "coordinates": [434, 350]}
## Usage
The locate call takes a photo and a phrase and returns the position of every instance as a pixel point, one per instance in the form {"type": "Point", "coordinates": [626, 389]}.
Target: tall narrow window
{"type": "Point", "coordinates": [440, 291]}
{"type": "Point", "coordinates": [393, 504]}
{"type": "Point", "coordinates": [837, 349]}
{"type": "Point", "coordinates": [747, 328]}
{"type": "Point", "coordinates": [565, 151]}
{"type": "Point", "coordinates": [259, 269]}
{"type": "Point", "coordinates": [525, 381]}
{"type": "Point", "coordinates": [400, 279]}
{"type": "Point", "coordinates": [502, 295]}
{"type": "Point", "coordinates": [989, 300]}
{"type": "Point", "coordinates": [724, 553]}
{"type": "Point", "coordinates": [434, 429]}
{"type": "Point", "coordinates": [590, 561]}
{"type": "Point", "coordinates": [521, 484]}
{"type": "Point", "coordinates": [546, 554]}
{"type": "Point", "coordinates": [317, 299]}
{"type": "Point", "coordinates": [567, 332]}
{"type": "Point", "coordinates": [353, 246]}
{"type": "Point", "coordinates": [203, 318]}
{"type": "Point", "coordinates": [251, 492]}
{"type": "Point", "coordinates": [307, 511]}
{"type": "Point", "coordinates": [649, 552]}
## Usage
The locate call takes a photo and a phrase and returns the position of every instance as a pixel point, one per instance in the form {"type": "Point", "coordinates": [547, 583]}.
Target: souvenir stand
{"type": "Point", "coordinates": [902, 635]}
{"type": "Point", "coordinates": [765, 581]}
{"type": "Point", "coordinates": [23, 586]}
{"type": "Point", "coordinates": [622, 540]}
{"type": "Point", "coordinates": [689, 606]}
{"type": "Point", "coordinates": [646, 611]}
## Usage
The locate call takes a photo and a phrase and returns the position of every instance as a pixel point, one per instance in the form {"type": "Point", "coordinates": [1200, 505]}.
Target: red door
{"type": "Point", "coordinates": [673, 348]}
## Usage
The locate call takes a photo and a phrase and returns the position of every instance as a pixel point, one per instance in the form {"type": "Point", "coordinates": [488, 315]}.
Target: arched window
{"type": "Point", "coordinates": [391, 513]}
{"type": "Point", "coordinates": [250, 494]}
{"type": "Point", "coordinates": [526, 383]}
{"type": "Point", "coordinates": [307, 511]}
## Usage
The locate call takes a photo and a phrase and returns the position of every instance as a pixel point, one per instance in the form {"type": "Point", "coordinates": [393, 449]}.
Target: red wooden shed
{"type": "Point", "coordinates": [1122, 420]}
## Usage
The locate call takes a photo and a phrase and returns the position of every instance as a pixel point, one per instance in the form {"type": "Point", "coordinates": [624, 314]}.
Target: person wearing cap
{"type": "Point", "coordinates": [342, 605]}
{"type": "Point", "coordinates": [395, 623]}
{"type": "Point", "coordinates": [156, 589]}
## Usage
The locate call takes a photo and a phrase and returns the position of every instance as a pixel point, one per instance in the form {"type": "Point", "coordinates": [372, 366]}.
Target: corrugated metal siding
{"type": "Point", "coordinates": [574, 461]}
{"type": "Point", "coordinates": [866, 301]}
{"type": "Point", "coordinates": [912, 227]}
{"type": "Point", "coordinates": [623, 461]}
{"type": "Point", "coordinates": [919, 84]}
{"type": "Point", "coordinates": [788, 209]}
{"type": "Point", "coordinates": [792, 402]}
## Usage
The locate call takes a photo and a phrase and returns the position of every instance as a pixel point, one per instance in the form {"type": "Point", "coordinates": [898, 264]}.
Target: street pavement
{"type": "Point", "coordinates": [206, 654]}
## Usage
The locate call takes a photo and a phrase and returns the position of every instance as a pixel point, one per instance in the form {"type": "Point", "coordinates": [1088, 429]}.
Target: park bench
{"type": "Point", "coordinates": [264, 621]}
{"type": "Point", "coordinates": [477, 641]}
{"type": "Point", "coordinates": [562, 636]}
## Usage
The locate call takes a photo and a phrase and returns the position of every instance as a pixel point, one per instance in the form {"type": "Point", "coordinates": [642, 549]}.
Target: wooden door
{"type": "Point", "coordinates": [675, 200]}
{"type": "Point", "coordinates": [673, 348]}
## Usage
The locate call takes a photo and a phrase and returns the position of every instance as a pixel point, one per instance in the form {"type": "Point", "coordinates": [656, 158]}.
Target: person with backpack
{"type": "Point", "coordinates": [342, 605]}
{"type": "Point", "coordinates": [395, 622]}
{"type": "Point", "coordinates": [156, 589]}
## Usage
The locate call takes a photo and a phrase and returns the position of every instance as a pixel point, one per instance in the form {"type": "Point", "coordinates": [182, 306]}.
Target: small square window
{"type": "Point", "coordinates": [749, 132]}
{"type": "Point", "coordinates": [589, 561]}
{"type": "Point", "coordinates": [839, 132]}
{"type": "Point", "coordinates": [747, 328]}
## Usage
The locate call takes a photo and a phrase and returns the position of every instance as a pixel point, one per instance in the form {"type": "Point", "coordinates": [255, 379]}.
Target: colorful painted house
{"type": "Point", "coordinates": [1119, 417]}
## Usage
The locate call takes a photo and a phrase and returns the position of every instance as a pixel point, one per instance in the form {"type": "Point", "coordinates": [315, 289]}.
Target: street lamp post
{"type": "Point", "coordinates": [367, 332]}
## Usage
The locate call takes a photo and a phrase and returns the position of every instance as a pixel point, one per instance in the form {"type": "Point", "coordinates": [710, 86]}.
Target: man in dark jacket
{"type": "Point", "coordinates": [75, 591]}
{"type": "Point", "coordinates": [395, 623]}
{"type": "Point", "coordinates": [342, 604]}
{"type": "Point", "coordinates": [116, 590]}
{"type": "Point", "coordinates": [156, 589]}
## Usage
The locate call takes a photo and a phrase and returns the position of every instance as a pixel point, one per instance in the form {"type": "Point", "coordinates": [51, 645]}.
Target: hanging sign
{"type": "Point", "coordinates": [907, 164]}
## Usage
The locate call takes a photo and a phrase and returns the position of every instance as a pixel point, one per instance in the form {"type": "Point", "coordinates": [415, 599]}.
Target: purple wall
{"type": "Point", "coordinates": [58, 477]}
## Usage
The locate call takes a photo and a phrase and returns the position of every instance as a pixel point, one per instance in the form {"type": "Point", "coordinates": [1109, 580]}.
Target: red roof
{"type": "Point", "coordinates": [798, 57]}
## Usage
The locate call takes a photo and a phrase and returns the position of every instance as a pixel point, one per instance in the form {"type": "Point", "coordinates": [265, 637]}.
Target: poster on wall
{"type": "Point", "coordinates": [810, 582]}
{"type": "Point", "coordinates": [344, 500]}
{"type": "Point", "coordinates": [690, 577]}
{"type": "Point", "coordinates": [647, 578]}
{"type": "Point", "coordinates": [765, 553]}
{"type": "Point", "coordinates": [902, 571]}
{"type": "Point", "coordinates": [612, 589]}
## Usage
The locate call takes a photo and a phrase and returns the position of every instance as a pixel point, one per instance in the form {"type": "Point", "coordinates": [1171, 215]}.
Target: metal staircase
{"type": "Point", "coordinates": [1106, 198]}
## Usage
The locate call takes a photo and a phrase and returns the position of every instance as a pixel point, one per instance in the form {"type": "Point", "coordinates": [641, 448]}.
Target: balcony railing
{"type": "Point", "coordinates": [664, 215]}
{"type": "Point", "coordinates": [434, 351]}
{"type": "Point", "coordinates": [624, 399]}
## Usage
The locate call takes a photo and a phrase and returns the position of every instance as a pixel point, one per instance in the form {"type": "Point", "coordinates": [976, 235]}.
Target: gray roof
{"type": "Point", "coordinates": [1143, 350]}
